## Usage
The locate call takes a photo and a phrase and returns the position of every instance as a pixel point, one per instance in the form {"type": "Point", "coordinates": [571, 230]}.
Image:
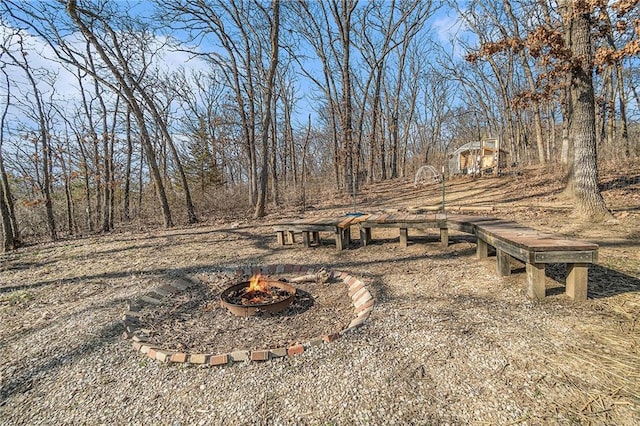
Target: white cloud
{"type": "Point", "coordinates": [447, 27]}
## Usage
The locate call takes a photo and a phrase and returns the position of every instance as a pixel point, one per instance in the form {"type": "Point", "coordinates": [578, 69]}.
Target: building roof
{"type": "Point", "coordinates": [475, 145]}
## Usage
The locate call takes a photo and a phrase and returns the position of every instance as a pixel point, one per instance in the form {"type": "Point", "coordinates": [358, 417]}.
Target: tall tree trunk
{"type": "Point", "coordinates": [8, 242]}
{"type": "Point", "coordinates": [10, 229]}
{"type": "Point", "coordinates": [589, 203]}
{"type": "Point", "coordinates": [622, 96]}
{"type": "Point", "coordinates": [162, 127]}
{"type": "Point", "coordinates": [266, 122]}
{"type": "Point", "coordinates": [126, 213]}
{"type": "Point", "coordinates": [46, 154]}
{"type": "Point", "coordinates": [342, 16]}
{"type": "Point", "coordinates": [537, 121]}
{"type": "Point", "coordinates": [44, 138]}
{"type": "Point", "coordinates": [273, 163]}
{"type": "Point", "coordinates": [373, 137]}
{"type": "Point", "coordinates": [565, 109]}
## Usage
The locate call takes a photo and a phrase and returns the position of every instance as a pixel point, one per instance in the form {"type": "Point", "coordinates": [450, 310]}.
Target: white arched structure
{"type": "Point", "coordinates": [425, 175]}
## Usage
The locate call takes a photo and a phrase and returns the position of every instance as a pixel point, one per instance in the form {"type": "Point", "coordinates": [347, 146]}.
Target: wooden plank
{"type": "Point", "coordinates": [515, 251]}
{"type": "Point", "coordinates": [525, 237]}
{"type": "Point", "coordinates": [405, 224]}
{"type": "Point", "coordinates": [361, 218]}
{"type": "Point", "coordinates": [383, 218]}
{"type": "Point", "coordinates": [345, 222]}
{"type": "Point", "coordinates": [587, 256]}
{"type": "Point", "coordinates": [372, 218]}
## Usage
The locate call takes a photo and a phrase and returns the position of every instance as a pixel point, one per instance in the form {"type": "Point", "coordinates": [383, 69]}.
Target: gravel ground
{"type": "Point", "coordinates": [448, 342]}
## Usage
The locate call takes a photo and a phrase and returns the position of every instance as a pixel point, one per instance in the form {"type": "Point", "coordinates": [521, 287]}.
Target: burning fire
{"type": "Point", "coordinates": [258, 283]}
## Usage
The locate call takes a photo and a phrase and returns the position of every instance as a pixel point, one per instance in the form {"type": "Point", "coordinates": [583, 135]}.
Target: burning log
{"type": "Point", "coordinates": [246, 298]}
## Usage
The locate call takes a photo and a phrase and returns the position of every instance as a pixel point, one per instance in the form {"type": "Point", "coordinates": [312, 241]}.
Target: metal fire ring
{"type": "Point", "coordinates": [251, 309]}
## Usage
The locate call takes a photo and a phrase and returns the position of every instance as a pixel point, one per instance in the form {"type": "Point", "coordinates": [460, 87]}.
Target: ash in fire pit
{"type": "Point", "coordinates": [247, 298]}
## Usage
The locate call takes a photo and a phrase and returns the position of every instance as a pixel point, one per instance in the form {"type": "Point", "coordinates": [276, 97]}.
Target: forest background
{"type": "Point", "coordinates": [120, 114]}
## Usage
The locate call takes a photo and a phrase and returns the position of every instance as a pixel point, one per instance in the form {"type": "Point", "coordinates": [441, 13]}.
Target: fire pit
{"type": "Point", "coordinates": [183, 322]}
{"type": "Point", "coordinates": [249, 297]}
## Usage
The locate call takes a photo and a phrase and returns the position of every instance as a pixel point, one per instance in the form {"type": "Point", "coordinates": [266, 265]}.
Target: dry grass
{"type": "Point", "coordinates": [448, 337]}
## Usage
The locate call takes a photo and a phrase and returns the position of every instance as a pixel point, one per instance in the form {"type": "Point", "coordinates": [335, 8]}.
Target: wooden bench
{"type": "Point", "coordinates": [404, 222]}
{"type": "Point", "coordinates": [534, 248]}
{"type": "Point", "coordinates": [310, 228]}
{"type": "Point", "coordinates": [510, 240]}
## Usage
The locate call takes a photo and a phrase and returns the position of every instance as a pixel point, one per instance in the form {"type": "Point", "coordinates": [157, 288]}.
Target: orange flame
{"type": "Point", "coordinates": [257, 283]}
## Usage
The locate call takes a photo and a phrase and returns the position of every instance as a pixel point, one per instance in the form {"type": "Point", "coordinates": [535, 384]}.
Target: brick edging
{"type": "Point", "coordinates": [361, 298]}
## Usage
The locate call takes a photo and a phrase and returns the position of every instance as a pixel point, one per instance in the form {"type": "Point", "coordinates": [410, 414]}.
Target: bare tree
{"type": "Point", "coordinates": [314, 26]}
{"type": "Point", "coordinates": [342, 11]}
{"type": "Point", "coordinates": [44, 135]}
{"type": "Point", "coordinates": [589, 201]}
{"type": "Point", "coordinates": [569, 49]}
{"type": "Point", "coordinates": [274, 25]}
{"type": "Point", "coordinates": [10, 230]}
{"type": "Point", "coordinates": [126, 81]}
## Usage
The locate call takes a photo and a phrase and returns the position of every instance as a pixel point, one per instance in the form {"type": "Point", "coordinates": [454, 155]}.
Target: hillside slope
{"type": "Point", "coordinates": [448, 341]}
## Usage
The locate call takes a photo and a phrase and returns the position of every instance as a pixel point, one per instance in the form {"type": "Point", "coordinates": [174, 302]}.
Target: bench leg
{"type": "Point", "coordinates": [365, 236]}
{"type": "Point", "coordinates": [482, 249]}
{"type": "Point", "coordinates": [306, 238]}
{"type": "Point", "coordinates": [404, 236]}
{"type": "Point", "coordinates": [503, 263]}
{"type": "Point", "coordinates": [339, 243]}
{"type": "Point", "coordinates": [444, 237]}
{"type": "Point", "coordinates": [535, 281]}
{"type": "Point", "coordinates": [281, 241]}
{"type": "Point", "coordinates": [315, 237]}
{"type": "Point", "coordinates": [292, 237]}
{"type": "Point", "coordinates": [577, 276]}
{"type": "Point", "coordinates": [346, 236]}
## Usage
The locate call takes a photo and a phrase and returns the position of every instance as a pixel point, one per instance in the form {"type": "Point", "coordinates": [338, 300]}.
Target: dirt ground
{"type": "Point", "coordinates": [553, 361]}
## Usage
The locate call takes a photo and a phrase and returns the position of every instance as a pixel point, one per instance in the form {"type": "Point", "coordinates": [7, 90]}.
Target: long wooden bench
{"type": "Point", "coordinates": [404, 222]}
{"type": "Point", "coordinates": [511, 240]}
{"type": "Point", "coordinates": [535, 249]}
{"type": "Point", "coordinates": [339, 227]}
